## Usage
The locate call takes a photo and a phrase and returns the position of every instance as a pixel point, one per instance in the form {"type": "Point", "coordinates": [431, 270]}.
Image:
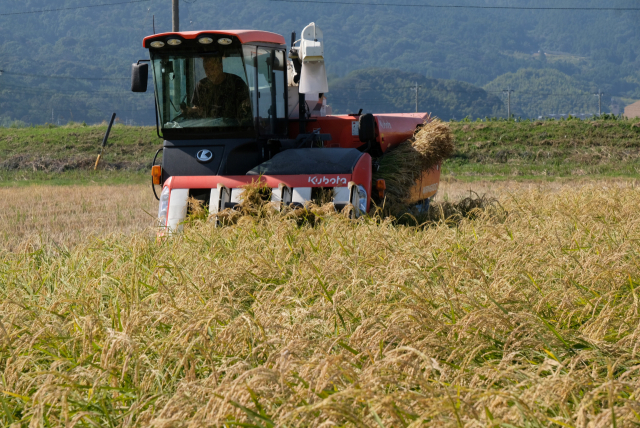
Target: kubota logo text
{"type": "Point", "coordinates": [328, 181]}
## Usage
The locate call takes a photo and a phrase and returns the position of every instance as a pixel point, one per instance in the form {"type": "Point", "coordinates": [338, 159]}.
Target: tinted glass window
{"type": "Point", "coordinates": [271, 117]}
{"type": "Point", "coordinates": [203, 91]}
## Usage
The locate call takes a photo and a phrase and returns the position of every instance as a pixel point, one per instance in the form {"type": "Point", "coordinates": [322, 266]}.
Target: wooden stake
{"type": "Point", "coordinates": [104, 140]}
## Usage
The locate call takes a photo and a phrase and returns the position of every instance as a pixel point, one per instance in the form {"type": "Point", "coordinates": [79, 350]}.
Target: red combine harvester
{"type": "Point", "coordinates": [233, 109]}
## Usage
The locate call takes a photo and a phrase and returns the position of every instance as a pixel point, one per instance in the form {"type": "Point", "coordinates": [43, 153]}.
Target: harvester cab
{"type": "Point", "coordinates": [235, 107]}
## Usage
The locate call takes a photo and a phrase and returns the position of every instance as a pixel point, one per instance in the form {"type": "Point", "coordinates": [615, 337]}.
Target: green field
{"type": "Point", "coordinates": [545, 149]}
{"type": "Point", "coordinates": [488, 150]}
{"type": "Point", "coordinates": [67, 154]}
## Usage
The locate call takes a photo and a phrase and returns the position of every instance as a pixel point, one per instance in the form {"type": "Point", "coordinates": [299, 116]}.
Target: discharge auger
{"type": "Point", "coordinates": [234, 108]}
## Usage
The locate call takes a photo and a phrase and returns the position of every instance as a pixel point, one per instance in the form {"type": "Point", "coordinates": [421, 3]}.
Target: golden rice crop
{"type": "Point", "coordinates": [528, 319]}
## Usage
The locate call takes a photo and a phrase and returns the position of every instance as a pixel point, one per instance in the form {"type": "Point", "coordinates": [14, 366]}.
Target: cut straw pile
{"type": "Point", "coordinates": [402, 166]}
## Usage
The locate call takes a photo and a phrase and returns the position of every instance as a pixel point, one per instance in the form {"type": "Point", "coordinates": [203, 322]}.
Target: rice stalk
{"type": "Point", "coordinates": [526, 320]}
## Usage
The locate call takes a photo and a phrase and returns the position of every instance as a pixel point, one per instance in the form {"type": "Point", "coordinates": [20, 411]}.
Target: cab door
{"type": "Point", "coordinates": [266, 72]}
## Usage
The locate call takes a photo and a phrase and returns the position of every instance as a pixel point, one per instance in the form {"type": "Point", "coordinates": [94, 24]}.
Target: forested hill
{"type": "Point", "coordinates": [563, 93]}
{"type": "Point", "coordinates": [392, 91]}
{"type": "Point", "coordinates": [98, 44]}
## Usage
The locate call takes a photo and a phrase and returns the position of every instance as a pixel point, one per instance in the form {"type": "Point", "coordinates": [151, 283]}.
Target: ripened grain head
{"type": "Point", "coordinates": [526, 318]}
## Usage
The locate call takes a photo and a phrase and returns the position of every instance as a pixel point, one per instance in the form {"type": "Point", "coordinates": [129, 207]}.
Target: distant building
{"type": "Point", "coordinates": [616, 106]}
{"type": "Point", "coordinates": [633, 110]}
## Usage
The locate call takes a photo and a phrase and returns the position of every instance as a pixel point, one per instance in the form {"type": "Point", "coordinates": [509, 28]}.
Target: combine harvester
{"type": "Point", "coordinates": [232, 110]}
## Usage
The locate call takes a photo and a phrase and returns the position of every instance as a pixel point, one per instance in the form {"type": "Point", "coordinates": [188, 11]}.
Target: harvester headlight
{"type": "Point", "coordinates": [163, 206]}
{"type": "Point", "coordinates": [362, 199]}
{"type": "Point", "coordinates": [157, 44]}
{"type": "Point", "coordinates": [205, 40]}
{"type": "Point", "coordinates": [174, 42]}
{"type": "Point", "coordinates": [224, 41]}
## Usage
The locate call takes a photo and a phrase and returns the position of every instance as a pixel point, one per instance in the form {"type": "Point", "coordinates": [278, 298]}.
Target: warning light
{"type": "Point", "coordinates": [156, 174]}
{"type": "Point", "coordinates": [381, 186]}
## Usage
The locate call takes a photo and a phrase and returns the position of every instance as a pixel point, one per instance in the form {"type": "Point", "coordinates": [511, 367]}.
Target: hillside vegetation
{"type": "Point", "coordinates": [600, 48]}
{"type": "Point", "coordinates": [520, 316]}
{"type": "Point", "coordinates": [541, 92]}
{"type": "Point", "coordinates": [393, 91]}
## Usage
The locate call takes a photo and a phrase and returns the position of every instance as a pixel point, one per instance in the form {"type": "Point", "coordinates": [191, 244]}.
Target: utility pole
{"type": "Point", "coordinates": [508, 91]}
{"type": "Point", "coordinates": [599, 95]}
{"type": "Point", "coordinates": [176, 15]}
{"type": "Point", "coordinates": [416, 97]}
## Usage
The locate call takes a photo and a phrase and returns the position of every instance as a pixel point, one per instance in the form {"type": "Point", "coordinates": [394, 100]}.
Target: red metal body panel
{"type": "Point", "coordinates": [392, 130]}
{"type": "Point", "coordinates": [236, 181]}
{"type": "Point", "coordinates": [245, 36]}
{"type": "Point", "coordinates": [338, 126]}
{"type": "Point", "coordinates": [361, 175]}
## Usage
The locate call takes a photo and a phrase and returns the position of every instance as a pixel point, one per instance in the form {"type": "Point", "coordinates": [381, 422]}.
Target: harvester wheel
{"type": "Point", "coordinates": [416, 210]}
{"type": "Point", "coordinates": [422, 207]}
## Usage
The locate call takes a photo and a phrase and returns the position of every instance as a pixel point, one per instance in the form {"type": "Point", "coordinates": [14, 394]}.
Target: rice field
{"type": "Point", "coordinates": [67, 215]}
{"type": "Point", "coordinates": [523, 314]}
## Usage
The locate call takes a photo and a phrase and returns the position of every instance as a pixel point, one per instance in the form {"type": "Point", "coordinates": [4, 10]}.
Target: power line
{"type": "Point", "coordinates": [452, 6]}
{"type": "Point", "coordinates": [63, 77]}
{"type": "Point", "coordinates": [552, 94]}
{"type": "Point", "coordinates": [71, 8]}
{"type": "Point", "coordinates": [377, 90]}
{"type": "Point", "coordinates": [463, 91]}
{"type": "Point", "coordinates": [421, 87]}
{"type": "Point", "coordinates": [62, 91]}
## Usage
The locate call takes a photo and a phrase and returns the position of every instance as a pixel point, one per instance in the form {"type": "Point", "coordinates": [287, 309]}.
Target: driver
{"type": "Point", "coordinates": [219, 94]}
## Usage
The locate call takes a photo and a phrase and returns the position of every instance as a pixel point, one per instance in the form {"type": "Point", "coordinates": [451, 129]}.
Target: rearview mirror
{"type": "Point", "coordinates": [139, 76]}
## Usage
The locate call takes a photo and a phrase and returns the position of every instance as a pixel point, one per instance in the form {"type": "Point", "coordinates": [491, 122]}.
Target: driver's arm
{"type": "Point", "coordinates": [195, 110]}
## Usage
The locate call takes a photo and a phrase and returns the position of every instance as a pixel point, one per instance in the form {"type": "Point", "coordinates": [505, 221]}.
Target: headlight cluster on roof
{"type": "Point", "coordinates": [203, 40]}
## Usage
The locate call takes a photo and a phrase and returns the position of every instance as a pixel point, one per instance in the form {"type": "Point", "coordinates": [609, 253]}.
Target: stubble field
{"type": "Point", "coordinates": [522, 314]}
{"type": "Point", "coordinates": [68, 215]}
